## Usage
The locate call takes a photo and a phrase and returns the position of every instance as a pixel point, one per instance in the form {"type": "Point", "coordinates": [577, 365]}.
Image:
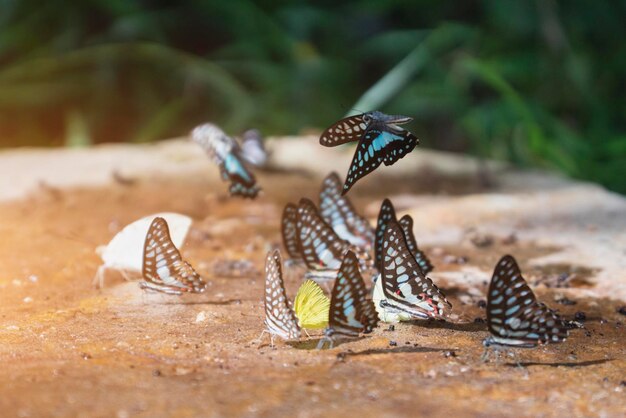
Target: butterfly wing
{"type": "Point", "coordinates": [338, 212]}
{"type": "Point", "coordinates": [386, 214]}
{"type": "Point", "coordinates": [404, 284]}
{"type": "Point", "coordinates": [252, 149]}
{"type": "Point", "coordinates": [399, 148]}
{"type": "Point", "coordinates": [164, 267]}
{"type": "Point", "coordinates": [242, 181]}
{"type": "Point", "coordinates": [290, 232]}
{"type": "Point", "coordinates": [514, 316]}
{"type": "Point", "coordinates": [321, 247]}
{"type": "Point", "coordinates": [406, 223]}
{"type": "Point", "coordinates": [351, 312]}
{"type": "Point", "coordinates": [311, 306]}
{"type": "Point", "coordinates": [280, 319]}
{"type": "Point", "coordinates": [346, 130]}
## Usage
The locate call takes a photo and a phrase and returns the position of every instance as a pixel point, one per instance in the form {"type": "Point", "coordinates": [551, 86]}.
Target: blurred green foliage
{"type": "Point", "coordinates": [539, 83]}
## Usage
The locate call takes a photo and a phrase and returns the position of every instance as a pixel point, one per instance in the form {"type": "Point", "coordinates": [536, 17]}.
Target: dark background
{"type": "Point", "coordinates": [540, 83]}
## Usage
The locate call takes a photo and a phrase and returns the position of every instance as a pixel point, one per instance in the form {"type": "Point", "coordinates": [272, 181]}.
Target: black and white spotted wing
{"type": "Point", "coordinates": [405, 287]}
{"type": "Point", "coordinates": [514, 316]}
{"type": "Point", "coordinates": [280, 318]}
{"type": "Point", "coordinates": [338, 212]}
{"type": "Point", "coordinates": [289, 232]}
{"type": "Point", "coordinates": [346, 130]}
{"type": "Point", "coordinates": [164, 269]}
{"type": "Point", "coordinates": [406, 223]}
{"type": "Point", "coordinates": [351, 311]}
{"type": "Point", "coordinates": [386, 214]}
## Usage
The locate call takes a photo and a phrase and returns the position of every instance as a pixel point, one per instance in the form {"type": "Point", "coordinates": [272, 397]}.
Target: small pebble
{"type": "Point", "coordinates": [482, 304]}
{"type": "Point", "coordinates": [580, 316]}
{"type": "Point", "coordinates": [391, 328]}
{"type": "Point", "coordinates": [449, 353]}
{"type": "Point", "coordinates": [566, 301]}
{"type": "Point", "coordinates": [622, 310]}
{"type": "Point", "coordinates": [622, 383]}
{"type": "Point", "coordinates": [479, 321]}
{"type": "Point", "coordinates": [156, 372]}
{"type": "Point", "coordinates": [393, 343]}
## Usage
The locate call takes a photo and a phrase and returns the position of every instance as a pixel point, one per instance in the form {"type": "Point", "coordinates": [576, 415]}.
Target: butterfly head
{"type": "Point", "coordinates": [488, 342]}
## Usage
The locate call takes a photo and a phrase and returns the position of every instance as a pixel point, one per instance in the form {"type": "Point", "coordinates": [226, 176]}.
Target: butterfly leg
{"type": "Point", "coordinates": [259, 340]}
{"type": "Point", "coordinates": [98, 279]}
{"type": "Point", "coordinates": [485, 357]}
{"type": "Point", "coordinates": [323, 342]}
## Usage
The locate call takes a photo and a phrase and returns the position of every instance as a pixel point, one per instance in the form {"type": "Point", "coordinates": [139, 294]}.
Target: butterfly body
{"type": "Point", "coordinates": [405, 288]}
{"type": "Point", "coordinates": [514, 316]}
{"type": "Point", "coordinates": [351, 312]}
{"type": "Point", "coordinates": [280, 319]}
{"type": "Point", "coordinates": [226, 153]}
{"type": "Point", "coordinates": [340, 214]}
{"type": "Point", "coordinates": [164, 269]}
{"type": "Point", "coordinates": [380, 138]}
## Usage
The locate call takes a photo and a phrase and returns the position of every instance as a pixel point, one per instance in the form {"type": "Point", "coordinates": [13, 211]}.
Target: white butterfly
{"type": "Point", "coordinates": [124, 252]}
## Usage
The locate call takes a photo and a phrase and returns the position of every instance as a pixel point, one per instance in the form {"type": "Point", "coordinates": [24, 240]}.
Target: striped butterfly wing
{"type": "Point", "coordinates": [514, 315]}
{"type": "Point", "coordinates": [398, 149]}
{"type": "Point", "coordinates": [386, 214]}
{"type": "Point", "coordinates": [351, 312]}
{"type": "Point", "coordinates": [280, 319]}
{"type": "Point", "coordinates": [404, 284]}
{"type": "Point", "coordinates": [163, 267]}
{"type": "Point", "coordinates": [338, 212]}
{"type": "Point", "coordinates": [321, 247]}
{"type": "Point", "coordinates": [289, 231]}
{"type": "Point", "coordinates": [346, 130]}
{"type": "Point", "coordinates": [379, 144]}
{"type": "Point", "coordinates": [406, 223]}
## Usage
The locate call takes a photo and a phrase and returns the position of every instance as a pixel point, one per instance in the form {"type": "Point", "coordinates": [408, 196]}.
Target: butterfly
{"type": "Point", "coordinates": [311, 306]}
{"type": "Point", "coordinates": [125, 251]}
{"type": "Point", "coordinates": [164, 269]}
{"type": "Point", "coordinates": [514, 316]}
{"type": "Point", "coordinates": [351, 312]}
{"type": "Point", "coordinates": [289, 232]}
{"type": "Point", "coordinates": [386, 215]}
{"type": "Point", "coordinates": [380, 138]}
{"type": "Point", "coordinates": [280, 319]}
{"type": "Point", "coordinates": [321, 249]}
{"type": "Point", "coordinates": [403, 292]}
{"type": "Point", "coordinates": [226, 153]}
{"type": "Point", "coordinates": [339, 213]}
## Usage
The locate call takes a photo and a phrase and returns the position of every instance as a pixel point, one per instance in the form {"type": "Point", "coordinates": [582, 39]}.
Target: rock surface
{"type": "Point", "coordinates": [67, 349]}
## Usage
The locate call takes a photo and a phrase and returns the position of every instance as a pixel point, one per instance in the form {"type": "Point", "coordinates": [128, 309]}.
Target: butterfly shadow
{"type": "Point", "coordinates": [312, 344]}
{"type": "Point", "coordinates": [205, 302]}
{"type": "Point", "coordinates": [560, 364]}
{"type": "Point", "coordinates": [396, 350]}
{"type": "Point", "coordinates": [454, 326]}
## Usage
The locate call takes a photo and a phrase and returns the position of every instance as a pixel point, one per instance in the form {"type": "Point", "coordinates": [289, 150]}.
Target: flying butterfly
{"type": "Point", "coordinates": [351, 312]}
{"type": "Point", "coordinates": [386, 215]}
{"type": "Point", "coordinates": [289, 232]}
{"type": "Point", "coordinates": [380, 138]}
{"type": "Point", "coordinates": [514, 316]}
{"type": "Point", "coordinates": [311, 306]}
{"type": "Point", "coordinates": [253, 149]}
{"type": "Point", "coordinates": [164, 269]}
{"type": "Point", "coordinates": [338, 212]}
{"type": "Point", "coordinates": [226, 153]}
{"type": "Point", "coordinates": [322, 250]}
{"type": "Point", "coordinates": [403, 292]}
{"type": "Point", "coordinates": [280, 319]}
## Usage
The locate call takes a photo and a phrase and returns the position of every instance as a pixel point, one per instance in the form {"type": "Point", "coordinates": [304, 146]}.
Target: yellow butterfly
{"type": "Point", "coordinates": [311, 306]}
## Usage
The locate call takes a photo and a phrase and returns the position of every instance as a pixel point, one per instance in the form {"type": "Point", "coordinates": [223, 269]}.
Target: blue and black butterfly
{"type": "Point", "coordinates": [514, 316]}
{"type": "Point", "coordinates": [386, 215]}
{"type": "Point", "coordinates": [380, 138]}
{"type": "Point", "coordinates": [405, 288]}
{"type": "Point", "coordinates": [226, 153]}
{"type": "Point", "coordinates": [338, 212]}
{"type": "Point", "coordinates": [351, 311]}
{"type": "Point", "coordinates": [321, 248]}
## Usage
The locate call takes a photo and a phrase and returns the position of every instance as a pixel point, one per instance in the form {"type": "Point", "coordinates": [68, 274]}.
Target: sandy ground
{"type": "Point", "coordinates": [68, 349]}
